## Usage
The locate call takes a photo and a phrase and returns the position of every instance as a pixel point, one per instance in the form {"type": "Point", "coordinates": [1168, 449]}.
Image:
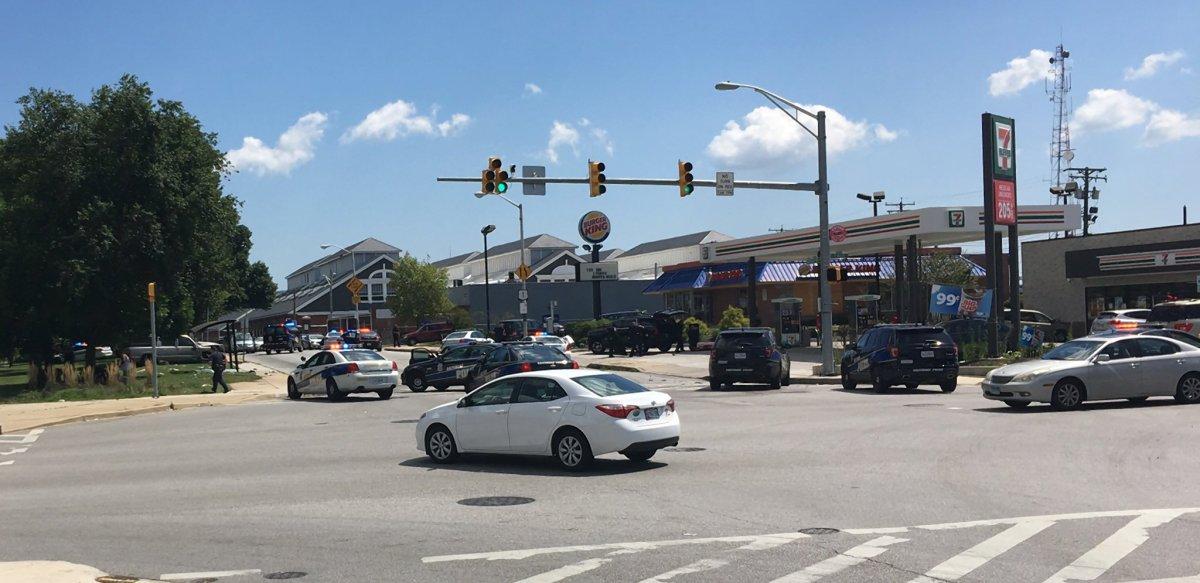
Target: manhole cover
{"type": "Point", "coordinates": [285, 575]}
{"type": "Point", "coordinates": [819, 530]}
{"type": "Point", "coordinates": [924, 405]}
{"type": "Point", "coordinates": [683, 449]}
{"type": "Point", "coordinates": [496, 501]}
{"type": "Point", "coordinates": [405, 421]}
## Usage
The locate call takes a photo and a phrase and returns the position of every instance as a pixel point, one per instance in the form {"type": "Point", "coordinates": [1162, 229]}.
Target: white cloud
{"type": "Point", "coordinates": [1111, 109]}
{"type": "Point", "coordinates": [603, 139]}
{"type": "Point", "coordinates": [561, 134]}
{"type": "Point", "coordinates": [295, 147]}
{"type": "Point", "coordinates": [1152, 63]}
{"type": "Point", "coordinates": [1020, 73]}
{"type": "Point", "coordinates": [768, 137]}
{"type": "Point", "coordinates": [532, 89]}
{"type": "Point", "coordinates": [399, 119]}
{"type": "Point", "coordinates": [1168, 125]}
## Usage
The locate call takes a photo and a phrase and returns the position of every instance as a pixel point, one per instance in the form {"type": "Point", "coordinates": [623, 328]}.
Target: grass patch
{"type": "Point", "coordinates": [174, 379]}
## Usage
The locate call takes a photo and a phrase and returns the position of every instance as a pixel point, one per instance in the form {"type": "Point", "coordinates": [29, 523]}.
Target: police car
{"type": "Point", "coordinates": [337, 373]}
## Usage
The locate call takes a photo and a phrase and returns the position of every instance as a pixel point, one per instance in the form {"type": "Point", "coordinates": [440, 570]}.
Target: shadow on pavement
{"type": "Point", "coordinates": [530, 465]}
{"type": "Point", "coordinates": [868, 391]}
{"type": "Point", "coordinates": [1035, 408]}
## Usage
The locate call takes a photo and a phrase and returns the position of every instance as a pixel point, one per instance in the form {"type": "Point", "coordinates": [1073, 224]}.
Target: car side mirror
{"type": "Point", "coordinates": [1101, 358]}
{"type": "Point", "coordinates": [302, 359]}
{"type": "Point", "coordinates": [462, 403]}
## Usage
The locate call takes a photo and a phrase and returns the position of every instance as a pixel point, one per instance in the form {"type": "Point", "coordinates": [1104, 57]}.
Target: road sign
{"type": "Point", "coordinates": [523, 308]}
{"type": "Point", "coordinates": [150, 291]}
{"type": "Point", "coordinates": [354, 285]}
{"type": "Point", "coordinates": [533, 188]}
{"type": "Point", "coordinates": [522, 294]}
{"type": "Point", "coordinates": [523, 272]}
{"type": "Point", "coordinates": [724, 183]}
{"type": "Point", "coordinates": [601, 271]}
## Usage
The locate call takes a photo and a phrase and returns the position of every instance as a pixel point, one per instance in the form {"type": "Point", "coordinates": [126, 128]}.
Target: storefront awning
{"type": "Point", "coordinates": [734, 274]}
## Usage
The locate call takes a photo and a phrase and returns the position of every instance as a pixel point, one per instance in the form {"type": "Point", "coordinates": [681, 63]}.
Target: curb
{"type": "Point", "coordinates": [169, 406]}
{"type": "Point", "coordinates": [615, 367]}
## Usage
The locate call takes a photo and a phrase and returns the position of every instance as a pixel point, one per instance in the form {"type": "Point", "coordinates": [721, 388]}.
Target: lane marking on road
{"type": "Point", "coordinates": [15, 450]}
{"type": "Point", "coordinates": [696, 567]}
{"type": "Point", "coordinates": [1103, 556]}
{"type": "Point", "coordinates": [208, 574]}
{"type": "Point", "coordinates": [841, 561]}
{"type": "Point", "coordinates": [1192, 579]}
{"type": "Point", "coordinates": [635, 546]}
{"type": "Point", "coordinates": [959, 565]}
{"type": "Point", "coordinates": [566, 571]}
{"type": "Point", "coordinates": [7, 463]}
{"type": "Point", "coordinates": [762, 544]}
{"type": "Point", "coordinates": [1019, 519]}
{"type": "Point", "coordinates": [30, 437]}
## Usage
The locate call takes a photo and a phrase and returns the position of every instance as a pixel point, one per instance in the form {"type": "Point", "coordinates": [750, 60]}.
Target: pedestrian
{"type": "Point", "coordinates": [396, 335]}
{"type": "Point", "coordinates": [637, 334]}
{"type": "Point", "coordinates": [217, 360]}
{"type": "Point", "coordinates": [677, 332]}
{"type": "Point", "coordinates": [126, 367]}
{"type": "Point", "coordinates": [616, 341]}
{"type": "Point", "coordinates": [693, 334]}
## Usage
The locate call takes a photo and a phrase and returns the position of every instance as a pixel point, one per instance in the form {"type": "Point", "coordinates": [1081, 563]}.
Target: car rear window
{"type": "Point", "coordinates": [361, 355]}
{"type": "Point", "coordinates": [736, 339]}
{"type": "Point", "coordinates": [920, 337]}
{"type": "Point", "coordinates": [609, 385]}
{"type": "Point", "coordinates": [538, 354]}
{"type": "Point", "coordinates": [1165, 313]}
{"type": "Point", "coordinates": [456, 335]}
{"type": "Point", "coordinates": [1141, 314]}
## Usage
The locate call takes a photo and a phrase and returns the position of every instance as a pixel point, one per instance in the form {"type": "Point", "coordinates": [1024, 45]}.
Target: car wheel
{"type": "Point", "coordinates": [1067, 394]}
{"type": "Point", "coordinates": [641, 456]}
{"type": "Point", "coordinates": [777, 382]}
{"type": "Point", "coordinates": [440, 446]}
{"type": "Point", "coordinates": [596, 347]}
{"type": "Point", "coordinates": [293, 392]}
{"type": "Point", "coordinates": [848, 383]}
{"type": "Point", "coordinates": [877, 383]}
{"type": "Point", "coordinates": [714, 384]}
{"type": "Point", "coordinates": [417, 383]}
{"type": "Point", "coordinates": [1017, 404]}
{"type": "Point", "coordinates": [949, 386]}
{"type": "Point", "coordinates": [332, 391]}
{"type": "Point", "coordinates": [572, 451]}
{"type": "Point", "coordinates": [385, 394]}
{"type": "Point", "coordinates": [1188, 390]}
{"type": "Point", "coordinates": [664, 347]}
{"type": "Point", "coordinates": [911, 386]}
{"type": "Point", "coordinates": [787, 376]}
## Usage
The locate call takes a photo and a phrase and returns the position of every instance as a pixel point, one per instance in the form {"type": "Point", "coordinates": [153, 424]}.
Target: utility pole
{"type": "Point", "coordinates": [899, 205]}
{"type": "Point", "coordinates": [487, 291]}
{"type": "Point", "coordinates": [1088, 193]}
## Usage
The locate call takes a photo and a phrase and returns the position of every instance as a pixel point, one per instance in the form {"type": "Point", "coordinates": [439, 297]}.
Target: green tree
{"type": "Point", "coordinates": [96, 200]}
{"type": "Point", "coordinates": [421, 291]}
{"type": "Point", "coordinates": [946, 269]}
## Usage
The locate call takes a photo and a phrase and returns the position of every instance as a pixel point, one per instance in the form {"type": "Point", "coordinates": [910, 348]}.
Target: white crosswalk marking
{"type": "Point", "coordinates": [836, 563]}
{"type": "Point", "coordinates": [696, 567]}
{"type": "Point", "coordinates": [17, 438]}
{"type": "Point", "coordinates": [7, 463]}
{"type": "Point", "coordinates": [635, 546]}
{"type": "Point", "coordinates": [973, 558]}
{"type": "Point", "coordinates": [15, 450]}
{"type": "Point", "coordinates": [567, 571]}
{"type": "Point", "coordinates": [1103, 556]}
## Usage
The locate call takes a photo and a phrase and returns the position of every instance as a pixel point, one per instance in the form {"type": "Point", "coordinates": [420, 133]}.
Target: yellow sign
{"type": "Point", "coordinates": [523, 272]}
{"type": "Point", "coordinates": [354, 285]}
{"type": "Point", "coordinates": [150, 291]}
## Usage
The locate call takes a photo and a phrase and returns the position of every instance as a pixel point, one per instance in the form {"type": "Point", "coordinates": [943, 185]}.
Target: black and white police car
{"type": "Point", "coordinates": [337, 373]}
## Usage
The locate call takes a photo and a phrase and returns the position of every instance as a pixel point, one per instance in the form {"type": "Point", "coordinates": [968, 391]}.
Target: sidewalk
{"type": "Point", "coordinates": [23, 416]}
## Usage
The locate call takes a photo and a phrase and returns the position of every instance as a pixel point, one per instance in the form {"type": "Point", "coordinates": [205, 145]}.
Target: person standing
{"type": "Point", "coordinates": [693, 333]}
{"type": "Point", "coordinates": [396, 335]}
{"type": "Point", "coordinates": [217, 360]}
{"type": "Point", "coordinates": [677, 332]}
{"type": "Point", "coordinates": [126, 367]}
{"type": "Point", "coordinates": [616, 341]}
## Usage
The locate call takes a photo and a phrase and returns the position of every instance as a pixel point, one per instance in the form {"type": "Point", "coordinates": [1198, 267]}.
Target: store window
{"type": "Point", "coordinates": [1119, 297]}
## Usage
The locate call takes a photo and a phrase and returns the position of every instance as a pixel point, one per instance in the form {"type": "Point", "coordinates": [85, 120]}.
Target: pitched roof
{"type": "Point", "coordinates": [368, 245]}
{"type": "Point", "coordinates": [688, 240]}
{"type": "Point", "coordinates": [535, 242]}
{"type": "Point", "coordinates": [456, 260]}
{"type": "Point", "coordinates": [606, 254]}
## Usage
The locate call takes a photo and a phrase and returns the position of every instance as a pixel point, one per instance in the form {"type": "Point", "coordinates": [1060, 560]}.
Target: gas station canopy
{"type": "Point", "coordinates": [871, 235]}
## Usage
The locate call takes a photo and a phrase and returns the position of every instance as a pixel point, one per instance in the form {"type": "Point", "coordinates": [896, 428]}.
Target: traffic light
{"type": "Point", "coordinates": [493, 178]}
{"type": "Point", "coordinates": [596, 178]}
{"type": "Point", "coordinates": [501, 176]}
{"type": "Point", "coordinates": [835, 273]}
{"type": "Point", "coordinates": [685, 178]}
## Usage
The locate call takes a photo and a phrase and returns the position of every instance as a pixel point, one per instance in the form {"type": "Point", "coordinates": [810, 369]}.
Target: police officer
{"type": "Point", "coordinates": [616, 341]}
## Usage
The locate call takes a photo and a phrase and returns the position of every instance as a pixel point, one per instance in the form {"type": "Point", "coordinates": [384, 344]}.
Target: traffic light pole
{"type": "Point", "coordinates": [748, 184]}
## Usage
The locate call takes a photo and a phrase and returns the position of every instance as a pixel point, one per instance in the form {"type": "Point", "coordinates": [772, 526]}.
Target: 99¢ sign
{"type": "Point", "coordinates": [594, 227]}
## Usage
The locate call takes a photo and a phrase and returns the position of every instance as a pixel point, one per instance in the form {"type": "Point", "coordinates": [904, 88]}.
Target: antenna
{"type": "Point", "coordinates": [1058, 87]}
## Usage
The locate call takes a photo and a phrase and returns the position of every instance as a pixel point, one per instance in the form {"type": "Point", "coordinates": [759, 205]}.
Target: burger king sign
{"type": "Point", "coordinates": [594, 227]}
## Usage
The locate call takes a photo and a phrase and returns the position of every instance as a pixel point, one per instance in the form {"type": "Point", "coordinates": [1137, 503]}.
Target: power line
{"type": "Point", "coordinates": [899, 205]}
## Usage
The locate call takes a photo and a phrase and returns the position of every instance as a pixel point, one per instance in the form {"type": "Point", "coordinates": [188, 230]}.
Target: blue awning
{"type": "Point", "coordinates": [734, 274]}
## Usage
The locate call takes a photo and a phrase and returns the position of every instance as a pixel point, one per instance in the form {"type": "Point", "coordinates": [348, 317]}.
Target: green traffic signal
{"type": "Point", "coordinates": [501, 187]}
{"type": "Point", "coordinates": [688, 189]}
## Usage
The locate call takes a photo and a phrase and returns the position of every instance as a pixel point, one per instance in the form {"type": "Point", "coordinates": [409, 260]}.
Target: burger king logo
{"type": "Point", "coordinates": [594, 227]}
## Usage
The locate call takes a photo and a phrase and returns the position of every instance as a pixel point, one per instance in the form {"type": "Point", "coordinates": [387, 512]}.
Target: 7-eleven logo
{"type": "Point", "coordinates": [1004, 147]}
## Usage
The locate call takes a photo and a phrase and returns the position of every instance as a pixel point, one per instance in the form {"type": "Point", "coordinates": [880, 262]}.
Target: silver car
{"type": "Point", "coordinates": [1099, 368]}
{"type": "Point", "coordinates": [1119, 319]}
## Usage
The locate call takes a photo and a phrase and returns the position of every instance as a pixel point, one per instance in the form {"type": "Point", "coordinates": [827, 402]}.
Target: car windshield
{"type": "Point", "coordinates": [549, 340]}
{"type": "Point", "coordinates": [1073, 350]}
{"type": "Point", "coordinates": [361, 355]}
{"type": "Point", "coordinates": [609, 385]}
{"type": "Point", "coordinates": [538, 354]}
{"type": "Point", "coordinates": [736, 339]}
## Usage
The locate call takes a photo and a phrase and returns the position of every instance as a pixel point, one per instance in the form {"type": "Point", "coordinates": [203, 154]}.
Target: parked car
{"type": "Point", "coordinates": [971, 331]}
{"type": "Point", "coordinates": [572, 415]}
{"type": "Point", "coordinates": [244, 342]}
{"type": "Point", "coordinates": [432, 332]}
{"type": "Point", "coordinates": [332, 340]}
{"type": "Point", "coordinates": [1119, 319]}
{"type": "Point", "coordinates": [1177, 315]}
{"type": "Point", "coordinates": [184, 349]}
{"type": "Point", "coordinates": [514, 357]}
{"type": "Point", "coordinates": [1098, 368]}
{"type": "Point", "coordinates": [336, 374]}
{"type": "Point", "coordinates": [660, 328]}
{"type": "Point", "coordinates": [464, 337]}
{"type": "Point", "coordinates": [258, 342]}
{"type": "Point", "coordinates": [510, 330]}
{"type": "Point", "coordinates": [549, 340]}
{"type": "Point", "coordinates": [748, 355]}
{"type": "Point", "coordinates": [278, 338]}
{"type": "Point", "coordinates": [901, 354]}
{"type": "Point", "coordinates": [455, 366]}
{"type": "Point", "coordinates": [363, 338]}
{"type": "Point", "coordinates": [1054, 330]}
{"type": "Point", "coordinates": [1178, 335]}
{"type": "Point", "coordinates": [311, 340]}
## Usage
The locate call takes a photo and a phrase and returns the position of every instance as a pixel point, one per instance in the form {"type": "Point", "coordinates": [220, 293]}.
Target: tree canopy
{"type": "Point", "coordinates": [96, 200]}
{"type": "Point", "coordinates": [420, 291]}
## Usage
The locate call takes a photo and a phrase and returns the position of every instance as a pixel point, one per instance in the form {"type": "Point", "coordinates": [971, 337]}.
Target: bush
{"type": "Point", "coordinates": [733, 317]}
{"type": "Point", "coordinates": [974, 351]}
{"type": "Point", "coordinates": [579, 330]}
{"type": "Point", "coordinates": [706, 333]}
{"type": "Point", "coordinates": [460, 318]}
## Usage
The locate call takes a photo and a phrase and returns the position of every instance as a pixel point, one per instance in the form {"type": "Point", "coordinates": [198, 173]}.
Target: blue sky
{"type": "Point", "coordinates": [629, 83]}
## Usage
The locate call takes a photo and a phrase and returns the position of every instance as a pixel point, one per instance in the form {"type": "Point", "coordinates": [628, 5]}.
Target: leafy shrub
{"type": "Point", "coordinates": [733, 317]}
{"type": "Point", "coordinates": [706, 333]}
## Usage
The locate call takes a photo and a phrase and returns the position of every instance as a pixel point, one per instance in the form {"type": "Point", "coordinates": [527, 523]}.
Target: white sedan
{"type": "Point", "coordinates": [336, 374]}
{"type": "Point", "coordinates": [1099, 368]}
{"type": "Point", "coordinates": [549, 340]}
{"type": "Point", "coordinates": [570, 414]}
{"type": "Point", "coordinates": [464, 337]}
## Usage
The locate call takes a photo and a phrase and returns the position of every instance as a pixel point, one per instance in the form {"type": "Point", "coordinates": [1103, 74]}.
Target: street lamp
{"type": "Point", "coordinates": [353, 270]}
{"type": "Point", "coordinates": [825, 304]}
{"type": "Point", "coordinates": [874, 198]}
{"type": "Point", "coordinates": [487, 292]}
{"type": "Point", "coordinates": [521, 228]}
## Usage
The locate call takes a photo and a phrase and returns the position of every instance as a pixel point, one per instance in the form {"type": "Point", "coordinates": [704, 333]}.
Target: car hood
{"type": "Point", "coordinates": [1037, 365]}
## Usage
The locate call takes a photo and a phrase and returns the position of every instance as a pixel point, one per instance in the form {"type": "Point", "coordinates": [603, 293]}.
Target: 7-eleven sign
{"type": "Point", "coordinates": [1004, 148]}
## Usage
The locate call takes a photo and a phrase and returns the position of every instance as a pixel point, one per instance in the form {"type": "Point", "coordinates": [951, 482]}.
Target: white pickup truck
{"type": "Point", "coordinates": [185, 349]}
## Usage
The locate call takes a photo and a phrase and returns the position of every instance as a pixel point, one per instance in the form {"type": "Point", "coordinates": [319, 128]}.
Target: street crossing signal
{"type": "Point", "coordinates": [596, 178]}
{"type": "Point", "coordinates": [685, 179]}
{"type": "Point", "coordinates": [494, 179]}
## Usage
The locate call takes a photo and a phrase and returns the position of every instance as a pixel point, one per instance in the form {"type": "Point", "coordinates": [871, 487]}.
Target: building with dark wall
{"type": "Point", "coordinates": [574, 299]}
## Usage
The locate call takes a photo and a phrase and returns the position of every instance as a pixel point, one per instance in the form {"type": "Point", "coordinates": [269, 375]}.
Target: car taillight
{"type": "Point", "coordinates": [894, 351]}
{"type": "Point", "coordinates": [617, 411]}
{"type": "Point", "coordinates": [671, 405]}
{"type": "Point", "coordinates": [395, 366]}
{"type": "Point", "coordinates": [526, 367]}
{"type": "Point", "coordinates": [1123, 325]}
{"type": "Point", "coordinates": [574, 364]}
{"type": "Point", "coordinates": [352, 367]}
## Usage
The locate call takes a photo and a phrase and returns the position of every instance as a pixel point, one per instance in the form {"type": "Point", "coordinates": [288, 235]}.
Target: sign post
{"type": "Point", "coordinates": [1000, 208]}
{"type": "Point", "coordinates": [153, 369]}
{"type": "Point", "coordinates": [354, 285]}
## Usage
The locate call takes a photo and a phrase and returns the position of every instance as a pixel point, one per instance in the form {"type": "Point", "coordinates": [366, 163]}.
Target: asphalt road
{"type": "Point", "coordinates": [337, 491]}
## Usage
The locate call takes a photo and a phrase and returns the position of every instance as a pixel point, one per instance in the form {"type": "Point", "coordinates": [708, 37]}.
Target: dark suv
{"type": "Point", "coordinates": [748, 355]}
{"type": "Point", "coordinates": [901, 354]}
